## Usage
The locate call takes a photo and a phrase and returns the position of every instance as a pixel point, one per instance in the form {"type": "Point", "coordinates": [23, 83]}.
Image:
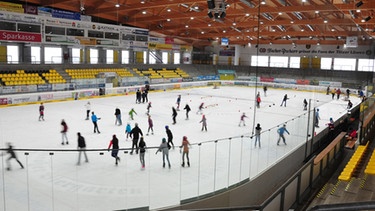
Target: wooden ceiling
{"type": "Point", "coordinates": [246, 21]}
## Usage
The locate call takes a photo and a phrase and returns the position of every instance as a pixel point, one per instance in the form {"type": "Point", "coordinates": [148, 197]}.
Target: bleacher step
{"type": "Point", "coordinates": [354, 185]}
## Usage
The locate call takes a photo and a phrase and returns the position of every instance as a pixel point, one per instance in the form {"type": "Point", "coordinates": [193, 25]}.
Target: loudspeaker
{"type": "Point", "coordinates": [210, 15]}
{"type": "Point", "coordinates": [223, 14]}
{"type": "Point", "coordinates": [359, 4]}
{"type": "Point", "coordinates": [211, 4]}
{"type": "Point", "coordinates": [367, 19]}
{"type": "Point", "coordinates": [217, 16]}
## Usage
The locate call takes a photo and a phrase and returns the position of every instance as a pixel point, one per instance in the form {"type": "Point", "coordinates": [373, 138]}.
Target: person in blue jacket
{"type": "Point", "coordinates": [127, 130]}
{"type": "Point", "coordinates": [94, 120]}
{"type": "Point", "coordinates": [281, 132]}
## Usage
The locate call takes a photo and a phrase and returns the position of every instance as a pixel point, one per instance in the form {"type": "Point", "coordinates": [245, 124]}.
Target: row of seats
{"type": "Point", "coordinates": [370, 168]}
{"type": "Point", "coordinates": [351, 166]}
{"type": "Point", "coordinates": [164, 73]}
{"type": "Point", "coordinates": [53, 77]}
{"type": "Point", "coordinates": [92, 73]}
{"type": "Point", "coordinates": [20, 77]}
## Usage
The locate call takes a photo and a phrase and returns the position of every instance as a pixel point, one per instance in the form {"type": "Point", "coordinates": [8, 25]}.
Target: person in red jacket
{"type": "Point", "coordinates": [115, 148]}
{"type": "Point", "coordinates": [64, 130]}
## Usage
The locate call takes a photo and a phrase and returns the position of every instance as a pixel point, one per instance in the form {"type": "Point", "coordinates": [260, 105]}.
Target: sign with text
{"type": "Point", "coordinates": [20, 36]}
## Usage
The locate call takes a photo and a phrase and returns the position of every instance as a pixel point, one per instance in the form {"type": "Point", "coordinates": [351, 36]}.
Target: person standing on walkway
{"type": "Point", "coordinates": [134, 134]}
{"type": "Point", "coordinates": [81, 148]}
{"type": "Point", "coordinates": [64, 130]}
{"type": "Point", "coordinates": [88, 109]}
{"type": "Point", "coordinates": [94, 120]}
{"type": "Point", "coordinates": [12, 154]}
{"type": "Point", "coordinates": [118, 117]}
{"type": "Point", "coordinates": [185, 151]}
{"type": "Point", "coordinates": [258, 129]}
{"type": "Point", "coordinates": [115, 148]}
{"type": "Point", "coordinates": [281, 132]}
{"type": "Point", "coordinates": [165, 150]}
{"type": "Point", "coordinates": [41, 112]}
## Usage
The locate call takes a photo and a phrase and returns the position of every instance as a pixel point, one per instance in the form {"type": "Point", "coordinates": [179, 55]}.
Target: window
{"type": "Point", "coordinates": [128, 37]}
{"type": "Point", "coordinates": [94, 56]}
{"type": "Point", "coordinates": [12, 54]}
{"type": "Point", "coordinates": [278, 61]}
{"type": "Point", "coordinates": [124, 57]}
{"type": "Point", "coordinates": [52, 55]}
{"type": "Point", "coordinates": [176, 58]}
{"type": "Point", "coordinates": [54, 30]}
{"type": "Point", "coordinates": [366, 65]}
{"type": "Point", "coordinates": [109, 56]}
{"type": "Point", "coordinates": [295, 62]}
{"type": "Point", "coordinates": [76, 55]}
{"type": "Point", "coordinates": [152, 57]}
{"type": "Point", "coordinates": [75, 32]}
{"type": "Point", "coordinates": [35, 54]}
{"type": "Point", "coordinates": [344, 64]}
{"type": "Point", "coordinates": [28, 28]}
{"type": "Point", "coordinates": [112, 35]}
{"type": "Point", "coordinates": [141, 38]}
{"type": "Point", "coordinates": [96, 34]}
{"type": "Point", "coordinates": [260, 61]}
{"type": "Point", "coordinates": [7, 26]}
{"type": "Point", "coordinates": [325, 63]}
{"type": "Point", "coordinates": [164, 57]}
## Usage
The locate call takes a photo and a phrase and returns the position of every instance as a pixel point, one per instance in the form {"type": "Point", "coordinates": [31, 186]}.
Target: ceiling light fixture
{"type": "Point", "coordinates": [325, 21]}
{"type": "Point", "coordinates": [263, 2]}
{"type": "Point", "coordinates": [117, 5]}
{"type": "Point", "coordinates": [144, 12]}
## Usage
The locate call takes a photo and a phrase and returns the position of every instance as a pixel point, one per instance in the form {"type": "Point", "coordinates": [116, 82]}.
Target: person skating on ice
{"type": "Point", "coordinates": [305, 104]}
{"type": "Point", "coordinates": [338, 93]}
{"type": "Point", "coordinates": [94, 120]}
{"type": "Point", "coordinates": [265, 90]}
{"type": "Point", "coordinates": [174, 115]}
{"type": "Point", "coordinates": [170, 137]}
{"type": "Point", "coordinates": [258, 100]}
{"type": "Point", "coordinates": [165, 150]}
{"type": "Point", "coordinates": [81, 148]}
{"type": "Point", "coordinates": [285, 98]}
{"type": "Point", "coordinates": [178, 102]}
{"type": "Point", "coordinates": [88, 109]}
{"type": "Point", "coordinates": [258, 130]}
{"type": "Point", "coordinates": [144, 96]}
{"type": "Point", "coordinates": [150, 126]}
{"type": "Point", "coordinates": [281, 132]}
{"type": "Point", "coordinates": [12, 155]}
{"type": "Point", "coordinates": [317, 117]}
{"type": "Point", "coordinates": [242, 119]}
{"type": "Point", "coordinates": [135, 133]}
{"type": "Point", "coordinates": [128, 128]}
{"type": "Point", "coordinates": [347, 93]}
{"type": "Point", "coordinates": [187, 108]}
{"type": "Point", "coordinates": [204, 122]}
{"type": "Point", "coordinates": [148, 108]}
{"type": "Point", "coordinates": [350, 105]}
{"type": "Point", "coordinates": [41, 112]}
{"type": "Point", "coordinates": [64, 130]}
{"type": "Point", "coordinates": [185, 151]}
{"type": "Point", "coordinates": [142, 151]}
{"type": "Point", "coordinates": [138, 96]}
{"type": "Point", "coordinates": [200, 108]}
{"type": "Point", "coordinates": [118, 117]}
{"type": "Point", "coordinates": [131, 113]}
{"type": "Point", "coordinates": [115, 148]}
{"type": "Point", "coordinates": [333, 92]}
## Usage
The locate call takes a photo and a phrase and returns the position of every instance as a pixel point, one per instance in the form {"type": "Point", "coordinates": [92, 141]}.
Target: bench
{"type": "Point", "coordinates": [350, 143]}
{"type": "Point", "coordinates": [331, 146]}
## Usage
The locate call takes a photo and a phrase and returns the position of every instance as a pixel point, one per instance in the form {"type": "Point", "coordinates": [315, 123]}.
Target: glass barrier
{"type": "Point", "coordinates": [53, 180]}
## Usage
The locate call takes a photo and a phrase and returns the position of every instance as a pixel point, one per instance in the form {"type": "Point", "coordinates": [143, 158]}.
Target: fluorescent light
{"type": "Point", "coordinates": [117, 5]}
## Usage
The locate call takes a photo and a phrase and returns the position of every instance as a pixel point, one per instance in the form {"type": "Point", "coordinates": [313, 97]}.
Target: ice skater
{"type": "Point", "coordinates": [331, 124]}
{"type": "Point", "coordinates": [317, 117]}
{"type": "Point", "coordinates": [88, 109]}
{"type": "Point", "coordinates": [305, 104]}
{"type": "Point", "coordinates": [178, 102]}
{"type": "Point", "coordinates": [144, 96]}
{"type": "Point", "coordinates": [328, 90]}
{"type": "Point", "coordinates": [242, 119]}
{"type": "Point", "coordinates": [165, 150]}
{"type": "Point", "coordinates": [347, 93]}
{"type": "Point", "coordinates": [281, 132]}
{"type": "Point", "coordinates": [118, 117]}
{"type": "Point", "coordinates": [338, 93]}
{"type": "Point", "coordinates": [134, 134]}
{"type": "Point", "coordinates": [350, 105]}
{"type": "Point", "coordinates": [284, 100]}
{"type": "Point", "coordinates": [265, 90]}
{"type": "Point", "coordinates": [41, 112]}
{"type": "Point", "coordinates": [148, 108]}
{"type": "Point", "coordinates": [258, 100]}
{"type": "Point", "coordinates": [131, 113]}
{"type": "Point", "coordinates": [204, 122]}
{"type": "Point", "coordinates": [200, 108]}
{"type": "Point", "coordinates": [128, 128]}
{"type": "Point", "coordinates": [258, 129]}
{"type": "Point", "coordinates": [94, 120]}
{"type": "Point", "coordinates": [174, 115]}
{"type": "Point", "coordinates": [333, 92]}
{"type": "Point", "coordinates": [142, 151]}
{"type": "Point", "coordinates": [12, 154]}
{"type": "Point", "coordinates": [150, 126]}
{"type": "Point", "coordinates": [81, 148]}
{"type": "Point", "coordinates": [170, 137]}
{"type": "Point", "coordinates": [187, 108]}
{"type": "Point", "coordinates": [138, 96]}
{"type": "Point", "coordinates": [64, 130]}
{"type": "Point", "coordinates": [115, 148]}
{"type": "Point", "coordinates": [185, 151]}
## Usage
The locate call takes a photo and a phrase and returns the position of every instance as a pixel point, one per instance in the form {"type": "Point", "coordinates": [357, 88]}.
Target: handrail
{"type": "Point", "coordinates": [367, 205]}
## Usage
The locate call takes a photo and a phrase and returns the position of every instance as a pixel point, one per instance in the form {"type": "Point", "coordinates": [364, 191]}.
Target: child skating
{"type": "Point", "coordinates": [242, 120]}
{"type": "Point", "coordinates": [131, 114]}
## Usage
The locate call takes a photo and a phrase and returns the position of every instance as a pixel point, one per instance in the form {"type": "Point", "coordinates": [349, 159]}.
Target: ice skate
{"type": "Point", "coordinates": [183, 164]}
{"type": "Point", "coordinates": [188, 164]}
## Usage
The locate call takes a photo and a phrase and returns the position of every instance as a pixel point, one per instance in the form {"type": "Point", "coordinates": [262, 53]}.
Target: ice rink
{"type": "Point", "coordinates": [51, 179]}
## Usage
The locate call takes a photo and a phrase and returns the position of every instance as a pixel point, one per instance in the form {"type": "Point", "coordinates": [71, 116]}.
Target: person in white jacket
{"type": "Point", "coordinates": [165, 150]}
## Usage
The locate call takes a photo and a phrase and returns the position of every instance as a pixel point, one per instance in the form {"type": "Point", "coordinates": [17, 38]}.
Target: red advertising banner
{"type": "Point", "coordinates": [264, 79]}
{"type": "Point", "coordinates": [3, 101]}
{"type": "Point", "coordinates": [20, 36]}
{"type": "Point", "coordinates": [303, 82]}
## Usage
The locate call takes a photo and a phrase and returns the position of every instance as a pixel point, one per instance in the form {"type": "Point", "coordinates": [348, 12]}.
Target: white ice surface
{"type": "Point", "coordinates": [55, 182]}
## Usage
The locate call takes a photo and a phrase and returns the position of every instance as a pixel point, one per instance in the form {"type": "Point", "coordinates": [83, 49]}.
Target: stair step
{"type": "Point", "coordinates": [354, 185]}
